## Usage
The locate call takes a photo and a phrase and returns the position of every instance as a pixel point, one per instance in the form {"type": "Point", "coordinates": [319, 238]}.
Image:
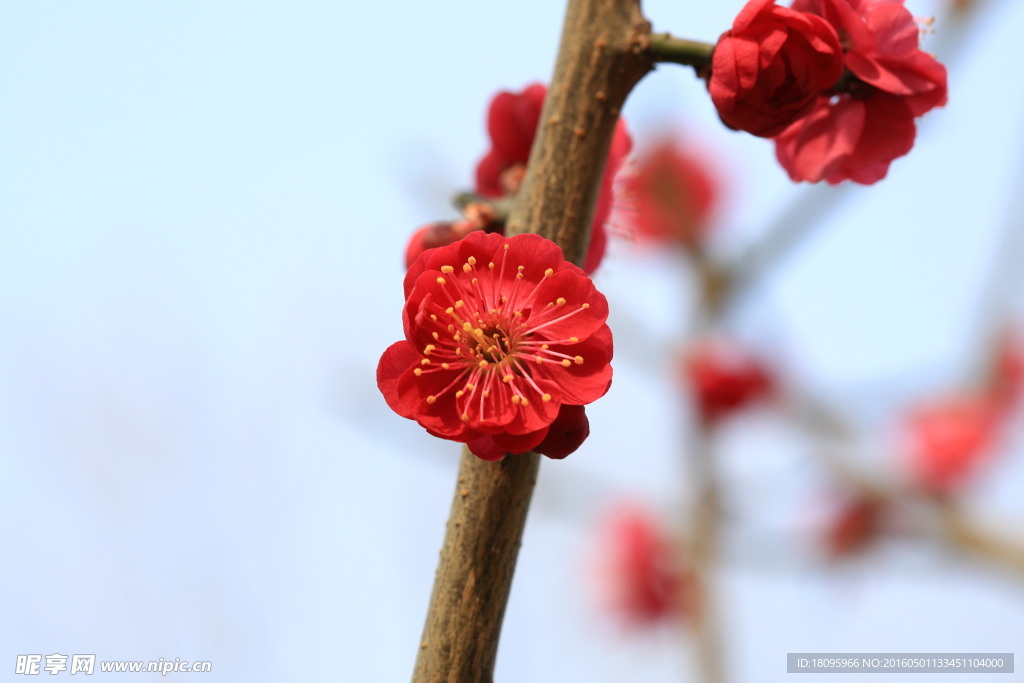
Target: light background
{"type": "Point", "coordinates": [203, 207]}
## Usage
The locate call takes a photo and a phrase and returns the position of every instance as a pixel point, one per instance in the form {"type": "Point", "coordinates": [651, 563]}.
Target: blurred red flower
{"type": "Point", "coordinates": [947, 440]}
{"type": "Point", "coordinates": [1007, 380]}
{"type": "Point", "coordinates": [642, 574]}
{"type": "Point", "coordinates": [771, 67]}
{"type": "Point", "coordinates": [855, 524]}
{"type": "Point", "coordinates": [855, 131]}
{"type": "Point", "coordinates": [723, 379]}
{"type": "Point", "coordinates": [500, 335]}
{"type": "Point", "coordinates": [667, 196]}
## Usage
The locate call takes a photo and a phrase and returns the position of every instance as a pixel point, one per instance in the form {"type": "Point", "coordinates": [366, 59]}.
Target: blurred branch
{"type": "Point", "coordinates": [702, 558]}
{"type": "Point", "coordinates": [783, 235]}
{"type": "Point", "coordinates": [705, 528]}
{"type": "Point", "coordinates": [942, 518]}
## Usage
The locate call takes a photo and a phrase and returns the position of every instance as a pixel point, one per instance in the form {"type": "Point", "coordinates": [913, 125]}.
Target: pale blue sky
{"type": "Point", "coordinates": [203, 207]}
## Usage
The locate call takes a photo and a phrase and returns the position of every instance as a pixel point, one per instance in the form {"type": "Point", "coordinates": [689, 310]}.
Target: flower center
{"type": "Point", "coordinates": [490, 334]}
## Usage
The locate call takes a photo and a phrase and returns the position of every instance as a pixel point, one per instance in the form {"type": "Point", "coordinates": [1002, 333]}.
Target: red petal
{"type": "Point", "coordinates": [395, 360]}
{"type": "Point", "coordinates": [566, 434]}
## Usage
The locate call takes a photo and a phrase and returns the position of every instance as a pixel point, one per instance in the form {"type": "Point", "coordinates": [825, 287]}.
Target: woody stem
{"type": "Point", "coordinates": [667, 48]}
{"type": "Point", "coordinates": [602, 55]}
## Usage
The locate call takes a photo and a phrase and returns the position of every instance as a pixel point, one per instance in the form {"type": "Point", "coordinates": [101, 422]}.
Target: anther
{"type": "Point", "coordinates": [560, 301]}
{"type": "Point", "coordinates": [417, 372]}
{"type": "Point", "coordinates": [440, 280]}
{"type": "Point", "coordinates": [459, 393]}
{"type": "Point", "coordinates": [482, 365]}
{"type": "Point", "coordinates": [566, 363]}
{"type": "Point", "coordinates": [546, 397]}
{"type": "Point", "coordinates": [471, 260]}
{"type": "Point", "coordinates": [508, 378]}
{"type": "Point", "coordinates": [431, 399]}
{"type": "Point", "coordinates": [578, 360]}
{"type": "Point", "coordinates": [424, 361]}
{"type": "Point", "coordinates": [428, 349]}
{"type": "Point", "coordinates": [585, 306]}
{"type": "Point", "coordinates": [516, 400]}
{"type": "Point", "coordinates": [444, 366]}
{"type": "Point", "coordinates": [549, 272]}
{"type": "Point", "coordinates": [465, 417]}
{"type": "Point", "coordinates": [447, 270]}
{"type": "Point", "coordinates": [572, 340]}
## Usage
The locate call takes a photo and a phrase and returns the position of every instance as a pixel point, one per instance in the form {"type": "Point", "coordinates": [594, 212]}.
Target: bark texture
{"type": "Point", "coordinates": [603, 54]}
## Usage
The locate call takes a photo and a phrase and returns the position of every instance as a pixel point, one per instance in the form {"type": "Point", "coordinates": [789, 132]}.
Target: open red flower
{"type": "Point", "coordinates": [512, 122]}
{"type": "Point", "coordinates": [668, 194]}
{"type": "Point", "coordinates": [642, 577]}
{"type": "Point", "coordinates": [855, 131]}
{"type": "Point", "coordinates": [770, 68]}
{"type": "Point", "coordinates": [502, 335]}
{"type": "Point", "coordinates": [949, 439]}
{"type": "Point", "coordinates": [724, 379]}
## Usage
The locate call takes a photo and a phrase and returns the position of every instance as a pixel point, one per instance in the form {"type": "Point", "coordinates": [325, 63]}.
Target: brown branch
{"type": "Point", "coordinates": [603, 54]}
{"type": "Point", "coordinates": [703, 556]}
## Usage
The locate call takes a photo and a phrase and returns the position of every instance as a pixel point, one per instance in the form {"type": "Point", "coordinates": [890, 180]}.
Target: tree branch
{"type": "Point", "coordinates": [603, 54]}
